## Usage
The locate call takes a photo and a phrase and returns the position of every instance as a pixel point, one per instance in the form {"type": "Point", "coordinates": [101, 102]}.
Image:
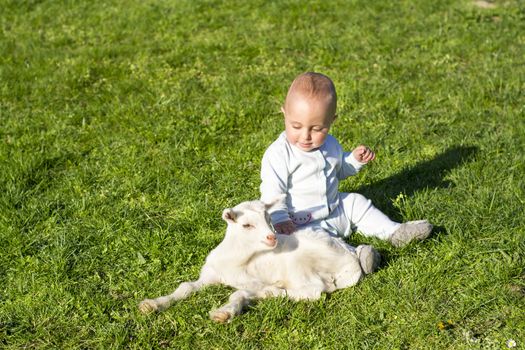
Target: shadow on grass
{"type": "Point", "coordinates": [428, 174]}
{"type": "Point", "coordinates": [389, 256]}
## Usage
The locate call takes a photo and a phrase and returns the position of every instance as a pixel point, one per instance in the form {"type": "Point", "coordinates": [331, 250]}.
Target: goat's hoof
{"type": "Point", "coordinates": [220, 316]}
{"type": "Point", "coordinates": [147, 306]}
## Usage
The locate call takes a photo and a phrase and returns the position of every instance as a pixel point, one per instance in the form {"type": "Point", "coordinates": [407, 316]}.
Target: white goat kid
{"type": "Point", "coordinates": [259, 264]}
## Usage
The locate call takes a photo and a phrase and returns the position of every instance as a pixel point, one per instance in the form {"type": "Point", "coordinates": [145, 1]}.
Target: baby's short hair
{"type": "Point", "coordinates": [313, 85]}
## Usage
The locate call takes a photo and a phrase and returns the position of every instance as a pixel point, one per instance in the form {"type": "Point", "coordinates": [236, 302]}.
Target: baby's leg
{"type": "Point", "coordinates": [372, 222]}
{"type": "Point", "coordinates": [366, 218]}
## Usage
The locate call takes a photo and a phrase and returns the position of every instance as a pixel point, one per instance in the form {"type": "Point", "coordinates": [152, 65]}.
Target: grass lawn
{"type": "Point", "coordinates": [126, 127]}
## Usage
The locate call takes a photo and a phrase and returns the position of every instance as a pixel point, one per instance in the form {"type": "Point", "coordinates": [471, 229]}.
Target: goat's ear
{"type": "Point", "coordinates": [228, 215]}
{"type": "Point", "coordinates": [275, 201]}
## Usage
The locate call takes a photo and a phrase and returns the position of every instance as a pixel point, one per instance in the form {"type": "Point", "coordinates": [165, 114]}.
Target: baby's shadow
{"type": "Point", "coordinates": [427, 174]}
{"type": "Point", "coordinates": [424, 175]}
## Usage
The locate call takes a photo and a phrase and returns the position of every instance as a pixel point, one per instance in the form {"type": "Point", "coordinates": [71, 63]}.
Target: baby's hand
{"type": "Point", "coordinates": [363, 154]}
{"type": "Point", "coordinates": [285, 228]}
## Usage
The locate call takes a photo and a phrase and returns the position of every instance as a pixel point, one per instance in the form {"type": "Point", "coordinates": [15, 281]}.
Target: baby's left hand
{"type": "Point", "coordinates": [363, 154]}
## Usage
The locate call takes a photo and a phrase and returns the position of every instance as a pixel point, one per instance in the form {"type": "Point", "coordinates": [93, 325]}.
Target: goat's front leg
{"type": "Point", "coordinates": [206, 277]}
{"type": "Point", "coordinates": [242, 298]}
{"type": "Point", "coordinates": [238, 300]}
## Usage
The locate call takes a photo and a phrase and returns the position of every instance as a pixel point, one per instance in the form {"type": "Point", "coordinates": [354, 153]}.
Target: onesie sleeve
{"type": "Point", "coordinates": [350, 166]}
{"type": "Point", "coordinates": [274, 183]}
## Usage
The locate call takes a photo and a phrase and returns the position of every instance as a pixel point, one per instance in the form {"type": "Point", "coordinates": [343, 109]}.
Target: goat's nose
{"type": "Point", "coordinates": [271, 237]}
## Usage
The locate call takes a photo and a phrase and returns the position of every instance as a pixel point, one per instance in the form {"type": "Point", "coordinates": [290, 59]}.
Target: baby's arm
{"type": "Point", "coordinates": [355, 160]}
{"type": "Point", "coordinates": [274, 183]}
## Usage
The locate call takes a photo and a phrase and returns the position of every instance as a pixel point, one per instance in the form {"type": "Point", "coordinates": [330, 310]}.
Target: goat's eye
{"type": "Point", "coordinates": [247, 226]}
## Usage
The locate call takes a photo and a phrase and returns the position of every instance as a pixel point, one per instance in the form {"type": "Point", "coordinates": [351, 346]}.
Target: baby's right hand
{"type": "Point", "coordinates": [363, 154]}
{"type": "Point", "coordinates": [285, 227]}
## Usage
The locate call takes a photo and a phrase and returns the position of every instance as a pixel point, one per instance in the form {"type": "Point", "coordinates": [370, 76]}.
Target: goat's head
{"type": "Point", "coordinates": [249, 222]}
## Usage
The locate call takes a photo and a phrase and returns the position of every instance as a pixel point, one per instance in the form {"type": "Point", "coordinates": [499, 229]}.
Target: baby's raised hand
{"type": "Point", "coordinates": [363, 154]}
{"type": "Point", "coordinates": [285, 228]}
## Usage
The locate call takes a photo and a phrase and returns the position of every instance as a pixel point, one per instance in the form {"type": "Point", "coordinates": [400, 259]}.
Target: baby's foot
{"type": "Point", "coordinates": [368, 257]}
{"type": "Point", "coordinates": [410, 231]}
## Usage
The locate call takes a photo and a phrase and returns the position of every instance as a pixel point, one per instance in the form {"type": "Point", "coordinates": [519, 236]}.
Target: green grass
{"type": "Point", "coordinates": [127, 126]}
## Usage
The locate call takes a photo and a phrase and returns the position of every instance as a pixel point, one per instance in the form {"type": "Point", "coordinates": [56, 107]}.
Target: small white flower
{"type": "Point", "coordinates": [511, 343]}
{"type": "Point", "coordinates": [470, 337]}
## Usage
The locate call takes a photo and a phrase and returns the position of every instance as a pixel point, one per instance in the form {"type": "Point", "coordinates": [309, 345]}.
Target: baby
{"type": "Point", "coordinates": [306, 164]}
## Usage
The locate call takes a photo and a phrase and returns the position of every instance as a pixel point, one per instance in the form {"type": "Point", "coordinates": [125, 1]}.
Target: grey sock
{"type": "Point", "coordinates": [410, 231]}
{"type": "Point", "coordinates": [368, 257]}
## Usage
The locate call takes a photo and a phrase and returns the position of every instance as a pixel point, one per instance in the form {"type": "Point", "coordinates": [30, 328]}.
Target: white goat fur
{"type": "Point", "coordinates": [259, 264]}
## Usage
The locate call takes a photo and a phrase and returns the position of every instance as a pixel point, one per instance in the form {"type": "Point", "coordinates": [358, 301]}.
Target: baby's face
{"type": "Point", "coordinates": [307, 122]}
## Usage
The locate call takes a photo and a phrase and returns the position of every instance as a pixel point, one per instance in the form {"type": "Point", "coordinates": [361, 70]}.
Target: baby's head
{"type": "Point", "coordinates": [309, 110]}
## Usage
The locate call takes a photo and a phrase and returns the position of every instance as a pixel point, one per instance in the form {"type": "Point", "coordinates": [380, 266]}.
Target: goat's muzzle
{"type": "Point", "coordinates": [271, 240]}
